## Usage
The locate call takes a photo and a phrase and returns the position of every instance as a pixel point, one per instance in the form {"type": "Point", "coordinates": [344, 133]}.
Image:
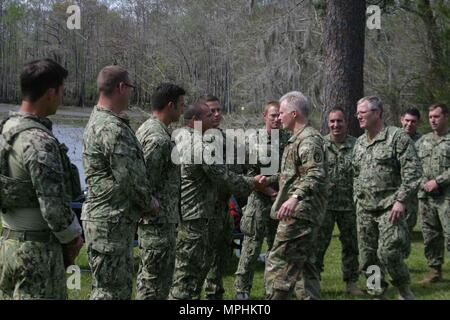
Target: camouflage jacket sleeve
{"type": "Point", "coordinates": [410, 168]}
{"type": "Point", "coordinates": [157, 153]}
{"type": "Point", "coordinates": [273, 180]}
{"type": "Point", "coordinates": [43, 161]}
{"type": "Point", "coordinates": [128, 168]}
{"type": "Point", "coordinates": [312, 171]}
{"type": "Point", "coordinates": [238, 184]}
{"type": "Point", "coordinates": [443, 180]}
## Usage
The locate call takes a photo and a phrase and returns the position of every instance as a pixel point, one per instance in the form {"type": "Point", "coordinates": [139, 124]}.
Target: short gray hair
{"type": "Point", "coordinates": [374, 102]}
{"type": "Point", "coordinates": [296, 101]}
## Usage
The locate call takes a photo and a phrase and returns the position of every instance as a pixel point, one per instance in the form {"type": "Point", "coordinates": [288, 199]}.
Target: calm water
{"type": "Point", "coordinates": [72, 137]}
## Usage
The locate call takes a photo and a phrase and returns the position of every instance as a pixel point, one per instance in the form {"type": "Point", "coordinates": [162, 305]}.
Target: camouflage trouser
{"type": "Point", "coordinates": [110, 254]}
{"type": "Point", "coordinates": [435, 214]}
{"type": "Point", "coordinates": [189, 275]}
{"type": "Point", "coordinates": [264, 227]}
{"type": "Point", "coordinates": [411, 213]}
{"type": "Point", "coordinates": [218, 253]}
{"type": "Point", "coordinates": [382, 244]}
{"type": "Point", "coordinates": [346, 222]}
{"type": "Point", "coordinates": [292, 258]}
{"type": "Point", "coordinates": [31, 270]}
{"type": "Point", "coordinates": [157, 260]}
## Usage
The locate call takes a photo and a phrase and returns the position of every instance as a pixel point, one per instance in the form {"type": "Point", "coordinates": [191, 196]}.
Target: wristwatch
{"type": "Point", "coordinates": [296, 196]}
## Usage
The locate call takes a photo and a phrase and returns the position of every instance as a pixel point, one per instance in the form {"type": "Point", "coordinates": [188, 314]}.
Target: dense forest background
{"type": "Point", "coordinates": [244, 51]}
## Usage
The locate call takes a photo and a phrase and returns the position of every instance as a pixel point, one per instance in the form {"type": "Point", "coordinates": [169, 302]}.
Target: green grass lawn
{"type": "Point", "coordinates": [332, 284]}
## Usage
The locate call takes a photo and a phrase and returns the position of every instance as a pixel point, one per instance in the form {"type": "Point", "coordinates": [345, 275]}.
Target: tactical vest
{"type": "Point", "coordinates": [19, 193]}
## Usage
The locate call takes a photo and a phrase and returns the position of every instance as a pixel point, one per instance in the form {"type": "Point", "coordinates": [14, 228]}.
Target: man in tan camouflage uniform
{"type": "Point", "coordinates": [41, 235]}
{"type": "Point", "coordinates": [299, 206]}
{"type": "Point", "coordinates": [256, 223]}
{"type": "Point", "coordinates": [410, 120]}
{"type": "Point", "coordinates": [386, 175]}
{"type": "Point", "coordinates": [199, 180]}
{"type": "Point", "coordinates": [434, 192]}
{"type": "Point", "coordinates": [157, 236]}
{"type": "Point", "coordinates": [118, 188]}
{"type": "Point", "coordinates": [340, 209]}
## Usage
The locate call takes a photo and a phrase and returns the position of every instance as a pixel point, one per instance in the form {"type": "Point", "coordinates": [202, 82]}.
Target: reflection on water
{"type": "Point", "coordinates": [72, 137]}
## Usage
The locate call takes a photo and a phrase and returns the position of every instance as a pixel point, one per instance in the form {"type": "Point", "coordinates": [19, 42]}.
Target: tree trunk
{"type": "Point", "coordinates": [436, 74]}
{"type": "Point", "coordinates": [344, 59]}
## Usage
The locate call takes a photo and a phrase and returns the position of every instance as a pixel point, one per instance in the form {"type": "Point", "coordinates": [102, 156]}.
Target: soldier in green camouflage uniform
{"type": "Point", "coordinates": [410, 119]}
{"type": "Point", "coordinates": [341, 209]}
{"type": "Point", "coordinates": [40, 235]}
{"type": "Point", "coordinates": [434, 193]}
{"type": "Point", "coordinates": [198, 196]}
{"type": "Point", "coordinates": [220, 227]}
{"type": "Point", "coordinates": [118, 188]}
{"type": "Point", "coordinates": [386, 175]}
{"type": "Point", "coordinates": [157, 236]}
{"type": "Point", "coordinates": [256, 223]}
{"type": "Point", "coordinates": [300, 204]}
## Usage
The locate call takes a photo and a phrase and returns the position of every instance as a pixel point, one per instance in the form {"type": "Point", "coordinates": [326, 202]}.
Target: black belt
{"type": "Point", "coordinates": [38, 236]}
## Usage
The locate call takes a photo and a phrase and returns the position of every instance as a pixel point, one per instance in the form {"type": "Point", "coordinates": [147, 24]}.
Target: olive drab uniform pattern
{"type": "Point", "coordinates": [118, 195]}
{"type": "Point", "coordinates": [256, 223]}
{"type": "Point", "coordinates": [340, 208]}
{"type": "Point", "coordinates": [157, 236]}
{"type": "Point", "coordinates": [303, 172]}
{"type": "Point", "coordinates": [413, 205]}
{"type": "Point", "coordinates": [199, 183]}
{"type": "Point", "coordinates": [220, 227]}
{"type": "Point", "coordinates": [36, 190]}
{"type": "Point", "coordinates": [434, 207]}
{"type": "Point", "coordinates": [386, 170]}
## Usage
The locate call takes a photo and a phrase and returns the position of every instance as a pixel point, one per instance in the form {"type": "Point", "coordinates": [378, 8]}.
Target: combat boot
{"type": "Point", "coordinates": [352, 289]}
{"type": "Point", "coordinates": [405, 293]}
{"type": "Point", "coordinates": [435, 275]}
{"type": "Point", "coordinates": [242, 296]}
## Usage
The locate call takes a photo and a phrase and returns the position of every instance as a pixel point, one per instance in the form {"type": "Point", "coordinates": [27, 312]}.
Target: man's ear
{"type": "Point", "coordinates": [51, 93]}
{"type": "Point", "coordinates": [121, 87]}
{"type": "Point", "coordinates": [295, 114]}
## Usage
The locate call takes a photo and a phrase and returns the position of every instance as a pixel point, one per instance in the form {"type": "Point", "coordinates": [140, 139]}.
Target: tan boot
{"type": "Point", "coordinates": [352, 289]}
{"type": "Point", "coordinates": [405, 293]}
{"type": "Point", "coordinates": [435, 275]}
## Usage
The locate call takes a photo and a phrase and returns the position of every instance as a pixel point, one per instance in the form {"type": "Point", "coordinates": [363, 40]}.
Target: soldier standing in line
{"type": "Point", "coordinates": [386, 175]}
{"type": "Point", "coordinates": [256, 223]}
{"type": "Point", "coordinates": [41, 235]}
{"type": "Point", "coordinates": [410, 120]}
{"type": "Point", "coordinates": [434, 192]}
{"type": "Point", "coordinates": [220, 224]}
{"type": "Point", "coordinates": [118, 188]}
{"type": "Point", "coordinates": [341, 209]}
{"type": "Point", "coordinates": [157, 235]}
{"type": "Point", "coordinates": [199, 181]}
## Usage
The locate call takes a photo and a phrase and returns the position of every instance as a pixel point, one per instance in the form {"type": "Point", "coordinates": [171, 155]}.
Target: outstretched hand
{"type": "Point", "coordinates": [260, 183]}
